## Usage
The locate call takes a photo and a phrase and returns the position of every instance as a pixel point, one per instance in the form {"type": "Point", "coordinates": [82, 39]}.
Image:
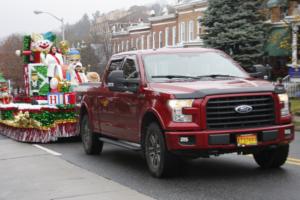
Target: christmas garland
{"type": "Point", "coordinates": [29, 123]}
{"type": "Point", "coordinates": [47, 117]}
{"type": "Point", "coordinates": [42, 128]}
{"type": "Point", "coordinates": [7, 115]}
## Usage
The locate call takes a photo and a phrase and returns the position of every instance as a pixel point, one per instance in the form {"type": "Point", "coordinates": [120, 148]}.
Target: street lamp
{"type": "Point", "coordinates": [37, 12]}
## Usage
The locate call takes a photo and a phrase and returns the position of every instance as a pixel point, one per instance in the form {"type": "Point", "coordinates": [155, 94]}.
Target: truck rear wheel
{"type": "Point", "coordinates": [159, 160]}
{"type": "Point", "coordinates": [91, 143]}
{"type": "Point", "coordinates": [272, 158]}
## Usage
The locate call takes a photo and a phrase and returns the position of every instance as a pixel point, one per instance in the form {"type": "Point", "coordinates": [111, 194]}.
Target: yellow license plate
{"type": "Point", "coordinates": [246, 140]}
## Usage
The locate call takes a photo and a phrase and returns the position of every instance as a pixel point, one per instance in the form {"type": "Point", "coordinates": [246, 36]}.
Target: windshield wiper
{"type": "Point", "coordinates": [217, 75]}
{"type": "Point", "coordinates": [174, 76]}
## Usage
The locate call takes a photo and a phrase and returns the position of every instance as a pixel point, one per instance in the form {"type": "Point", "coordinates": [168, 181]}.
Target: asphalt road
{"type": "Point", "coordinates": [225, 177]}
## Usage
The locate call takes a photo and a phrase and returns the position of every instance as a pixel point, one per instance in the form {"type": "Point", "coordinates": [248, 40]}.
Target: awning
{"type": "Point", "coordinates": [276, 3]}
{"type": "Point", "coordinates": [279, 42]}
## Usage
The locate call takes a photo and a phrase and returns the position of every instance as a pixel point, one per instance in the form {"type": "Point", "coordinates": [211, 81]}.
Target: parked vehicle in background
{"type": "Point", "coordinates": [173, 103]}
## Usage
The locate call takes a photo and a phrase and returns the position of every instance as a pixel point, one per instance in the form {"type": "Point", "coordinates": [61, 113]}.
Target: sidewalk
{"type": "Point", "coordinates": [27, 172]}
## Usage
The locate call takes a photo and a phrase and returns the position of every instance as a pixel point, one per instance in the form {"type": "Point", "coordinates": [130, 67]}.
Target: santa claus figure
{"type": "Point", "coordinates": [77, 75]}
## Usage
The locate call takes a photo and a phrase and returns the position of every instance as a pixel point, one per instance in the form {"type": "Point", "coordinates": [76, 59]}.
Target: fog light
{"type": "Point", "coordinates": [287, 132]}
{"type": "Point", "coordinates": [187, 140]}
{"type": "Point", "coordinates": [184, 139]}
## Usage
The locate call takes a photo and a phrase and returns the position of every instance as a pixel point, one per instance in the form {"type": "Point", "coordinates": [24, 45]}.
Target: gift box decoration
{"type": "Point", "coordinates": [55, 99]}
{"type": "Point", "coordinates": [69, 98]}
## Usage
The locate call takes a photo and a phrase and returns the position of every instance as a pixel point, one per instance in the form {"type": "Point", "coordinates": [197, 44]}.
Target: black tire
{"type": "Point", "coordinates": [272, 158]}
{"type": "Point", "coordinates": [91, 143]}
{"type": "Point", "coordinates": [160, 161]}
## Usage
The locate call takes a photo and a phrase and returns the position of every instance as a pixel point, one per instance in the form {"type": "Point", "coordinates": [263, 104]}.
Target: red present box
{"type": "Point", "coordinates": [69, 98]}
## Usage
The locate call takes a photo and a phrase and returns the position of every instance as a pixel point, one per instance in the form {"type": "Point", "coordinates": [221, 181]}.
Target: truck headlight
{"type": "Point", "coordinates": [284, 99]}
{"type": "Point", "coordinates": [177, 106]}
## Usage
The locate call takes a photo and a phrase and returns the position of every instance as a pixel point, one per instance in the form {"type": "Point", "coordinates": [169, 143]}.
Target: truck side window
{"type": "Point", "coordinates": [115, 65]}
{"type": "Point", "coordinates": [130, 70]}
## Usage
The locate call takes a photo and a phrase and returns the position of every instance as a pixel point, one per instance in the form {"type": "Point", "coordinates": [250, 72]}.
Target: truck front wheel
{"type": "Point", "coordinates": [272, 158]}
{"type": "Point", "coordinates": [91, 143]}
{"type": "Point", "coordinates": [159, 160]}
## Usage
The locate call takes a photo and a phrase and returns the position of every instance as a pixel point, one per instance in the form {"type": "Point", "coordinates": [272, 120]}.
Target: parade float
{"type": "Point", "coordinates": [47, 110]}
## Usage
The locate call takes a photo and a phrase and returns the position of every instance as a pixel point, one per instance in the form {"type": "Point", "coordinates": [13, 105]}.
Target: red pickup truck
{"type": "Point", "coordinates": [174, 103]}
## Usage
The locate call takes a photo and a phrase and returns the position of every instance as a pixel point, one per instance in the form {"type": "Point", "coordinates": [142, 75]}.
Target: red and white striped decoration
{"type": "Point", "coordinates": [33, 135]}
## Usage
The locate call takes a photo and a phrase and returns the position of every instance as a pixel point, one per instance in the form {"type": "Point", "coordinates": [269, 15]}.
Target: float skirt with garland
{"type": "Point", "coordinates": [38, 123]}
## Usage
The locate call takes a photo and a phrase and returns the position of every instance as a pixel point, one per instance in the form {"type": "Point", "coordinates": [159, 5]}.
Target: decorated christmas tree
{"type": "Point", "coordinates": [236, 27]}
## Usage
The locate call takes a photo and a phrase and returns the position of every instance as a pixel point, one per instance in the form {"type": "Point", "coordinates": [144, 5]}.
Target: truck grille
{"type": "Point", "coordinates": [221, 114]}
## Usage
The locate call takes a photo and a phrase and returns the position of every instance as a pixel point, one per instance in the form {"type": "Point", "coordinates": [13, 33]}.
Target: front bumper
{"type": "Point", "coordinates": [225, 140]}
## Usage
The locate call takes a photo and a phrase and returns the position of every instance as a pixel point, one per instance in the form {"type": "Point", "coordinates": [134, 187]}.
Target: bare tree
{"type": "Point", "coordinates": [101, 36]}
{"type": "Point", "coordinates": [89, 58]}
{"type": "Point", "coordinates": [11, 65]}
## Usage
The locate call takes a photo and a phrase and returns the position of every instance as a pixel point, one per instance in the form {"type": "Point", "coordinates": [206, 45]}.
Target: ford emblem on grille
{"type": "Point", "coordinates": [243, 109]}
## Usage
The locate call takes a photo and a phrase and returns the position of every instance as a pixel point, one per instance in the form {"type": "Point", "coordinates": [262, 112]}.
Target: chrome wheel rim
{"type": "Point", "coordinates": [86, 134]}
{"type": "Point", "coordinates": [154, 150]}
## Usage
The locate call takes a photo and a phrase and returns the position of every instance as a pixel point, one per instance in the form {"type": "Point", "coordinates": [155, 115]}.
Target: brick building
{"type": "Point", "coordinates": [189, 26]}
{"type": "Point", "coordinates": [279, 50]}
{"type": "Point", "coordinates": [182, 28]}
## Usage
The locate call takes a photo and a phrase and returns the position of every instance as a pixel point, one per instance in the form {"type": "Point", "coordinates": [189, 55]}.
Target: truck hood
{"type": "Point", "coordinates": [200, 89]}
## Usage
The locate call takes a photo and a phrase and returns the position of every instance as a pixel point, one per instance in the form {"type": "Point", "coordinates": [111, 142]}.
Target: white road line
{"type": "Point", "coordinates": [294, 160]}
{"type": "Point", "coordinates": [47, 150]}
{"type": "Point", "coordinates": [293, 163]}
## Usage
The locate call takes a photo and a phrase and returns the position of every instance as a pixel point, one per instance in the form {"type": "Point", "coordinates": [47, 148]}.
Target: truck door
{"type": "Point", "coordinates": [106, 101]}
{"type": "Point", "coordinates": [127, 104]}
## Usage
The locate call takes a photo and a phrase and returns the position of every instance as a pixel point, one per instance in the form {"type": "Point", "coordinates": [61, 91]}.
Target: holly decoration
{"type": "Point", "coordinates": [7, 115]}
{"type": "Point", "coordinates": [47, 118]}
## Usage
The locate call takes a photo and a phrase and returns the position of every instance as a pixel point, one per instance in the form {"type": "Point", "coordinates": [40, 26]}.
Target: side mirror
{"type": "Point", "coordinates": [117, 82]}
{"type": "Point", "coordinates": [256, 74]}
{"type": "Point", "coordinates": [258, 71]}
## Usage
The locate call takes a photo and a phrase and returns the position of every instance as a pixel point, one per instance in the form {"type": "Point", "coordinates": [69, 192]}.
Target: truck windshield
{"type": "Point", "coordinates": [163, 67]}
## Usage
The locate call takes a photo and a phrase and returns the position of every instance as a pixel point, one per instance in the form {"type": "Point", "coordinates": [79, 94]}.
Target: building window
{"type": "Point", "coordinates": [283, 12]}
{"type": "Point", "coordinates": [199, 27]}
{"type": "Point", "coordinates": [167, 36]}
{"type": "Point", "coordinates": [191, 30]}
{"type": "Point", "coordinates": [174, 35]}
{"type": "Point", "coordinates": [182, 32]}
{"type": "Point", "coordinates": [122, 46]}
{"type": "Point", "coordinates": [118, 48]}
{"type": "Point", "coordinates": [114, 47]}
{"type": "Point", "coordinates": [127, 45]}
{"type": "Point", "coordinates": [131, 44]}
{"type": "Point", "coordinates": [153, 40]}
{"type": "Point", "coordinates": [142, 42]}
{"type": "Point", "coordinates": [137, 43]}
{"type": "Point", "coordinates": [160, 40]}
{"type": "Point", "coordinates": [148, 41]}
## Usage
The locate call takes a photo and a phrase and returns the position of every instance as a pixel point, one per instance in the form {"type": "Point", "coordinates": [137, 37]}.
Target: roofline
{"type": "Point", "coordinates": [139, 27]}
{"type": "Point", "coordinates": [162, 17]}
{"type": "Point", "coordinates": [190, 5]}
{"type": "Point", "coordinates": [121, 33]}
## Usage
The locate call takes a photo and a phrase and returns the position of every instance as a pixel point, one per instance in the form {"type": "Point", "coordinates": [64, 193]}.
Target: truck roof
{"type": "Point", "coordinates": [165, 50]}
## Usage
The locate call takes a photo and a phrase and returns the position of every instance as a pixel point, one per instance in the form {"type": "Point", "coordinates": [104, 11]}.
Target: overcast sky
{"type": "Point", "coordinates": [16, 16]}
